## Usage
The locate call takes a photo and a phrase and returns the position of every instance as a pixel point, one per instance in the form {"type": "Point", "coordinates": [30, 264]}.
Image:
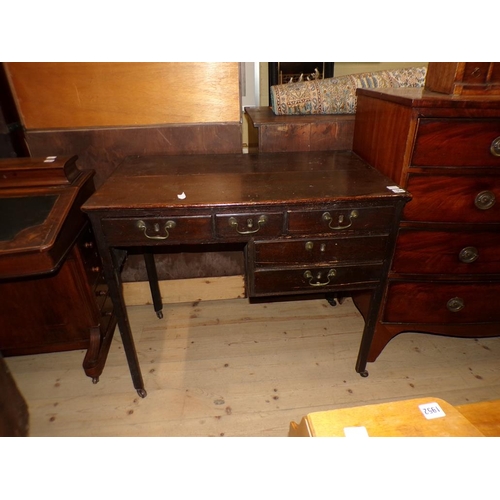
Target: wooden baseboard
{"type": "Point", "coordinates": [186, 290]}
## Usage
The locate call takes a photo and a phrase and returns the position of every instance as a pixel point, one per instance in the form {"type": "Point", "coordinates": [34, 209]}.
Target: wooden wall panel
{"type": "Point", "coordinates": [104, 149]}
{"type": "Point", "coordinates": [79, 95]}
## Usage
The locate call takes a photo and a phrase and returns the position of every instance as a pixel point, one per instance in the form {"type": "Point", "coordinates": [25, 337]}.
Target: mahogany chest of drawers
{"type": "Point", "coordinates": [308, 223]}
{"type": "Point", "coordinates": [445, 150]}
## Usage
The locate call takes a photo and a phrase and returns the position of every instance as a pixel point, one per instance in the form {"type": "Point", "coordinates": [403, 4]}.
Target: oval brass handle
{"type": "Point", "coordinates": [308, 275]}
{"type": "Point", "coordinates": [328, 218]}
{"type": "Point", "coordinates": [455, 304]}
{"type": "Point", "coordinates": [468, 255]}
{"type": "Point", "coordinates": [495, 147]}
{"type": "Point", "coordinates": [484, 200]}
{"type": "Point", "coordinates": [234, 224]}
{"type": "Point", "coordinates": [170, 224]}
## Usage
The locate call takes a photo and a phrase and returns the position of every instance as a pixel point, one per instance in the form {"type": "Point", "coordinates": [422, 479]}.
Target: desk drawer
{"type": "Point", "coordinates": [157, 230]}
{"type": "Point", "coordinates": [313, 279]}
{"type": "Point", "coordinates": [336, 220]}
{"type": "Point", "coordinates": [455, 142]}
{"type": "Point", "coordinates": [463, 199]}
{"type": "Point", "coordinates": [442, 303]}
{"type": "Point", "coordinates": [447, 252]}
{"type": "Point", "coordinates": [314, 251]}
{"type": "Point", "coordinates": [243, 226]}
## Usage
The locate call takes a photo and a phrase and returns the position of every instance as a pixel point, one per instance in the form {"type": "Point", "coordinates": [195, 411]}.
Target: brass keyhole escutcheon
{"type": "Point", "coordinates": [476, 72]}
{"type": "Point", "coordinates": [310, 245]}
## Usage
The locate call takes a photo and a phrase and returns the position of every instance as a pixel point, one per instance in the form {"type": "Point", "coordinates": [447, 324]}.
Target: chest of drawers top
{"type": "Point", "coordinates": [420, 132]}
{"type": "Point", "coordinates": [193, 184]}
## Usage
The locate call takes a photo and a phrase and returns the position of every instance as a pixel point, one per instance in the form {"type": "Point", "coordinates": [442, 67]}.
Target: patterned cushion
{"type": "Point", "coordinates": [331, 96]}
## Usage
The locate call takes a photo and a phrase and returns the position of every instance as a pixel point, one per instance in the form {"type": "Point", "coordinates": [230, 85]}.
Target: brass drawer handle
{"type": "Point", "coordinates": [310, 245]}
{"type": "Point", "coordinates": [455, 304]}
{"type": "Point", "coordinates": [484, 200]}
{"type": "Point", "coordinates": [495, 147]}
{"type": "Point", "coordinates": [328, 218]}
{"type": "Point", "coordinates": [308, 275]}
{"type": "Point", "coordinates": [261, 222]}
{"type": "Point", "coordinates": [170, 224]}
{"type": "Point", "coordinates": [468, 255]}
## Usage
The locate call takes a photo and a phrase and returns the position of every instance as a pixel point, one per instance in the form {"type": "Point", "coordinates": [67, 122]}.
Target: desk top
{"type": "Point", "coordinates": [264, 179]}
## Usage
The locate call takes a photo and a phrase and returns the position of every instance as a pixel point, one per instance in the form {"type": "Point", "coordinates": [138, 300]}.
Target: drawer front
{"type": "Point", "coordinates": [314, 279]}
{"type": "Point", "coordinates": [243, 226]}
{"type": "Point", "coordinates": [157, 230]}
{"type": "Point", "coordinates": [442, 303]}
{"type": "Point", "coordinates": [336, 220]}
{"type": "Point", "coordinates": [467, 199]}
{"type": "Point", "coordinates": [456, 142]}
{"type": "Point", "coordinates": [315, 251]}
{"type": "Point", "coordinates": [442, 252]}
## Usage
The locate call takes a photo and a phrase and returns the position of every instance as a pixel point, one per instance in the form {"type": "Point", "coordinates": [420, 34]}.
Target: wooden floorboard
{"type": "Point", "coordinates": [234, 368]}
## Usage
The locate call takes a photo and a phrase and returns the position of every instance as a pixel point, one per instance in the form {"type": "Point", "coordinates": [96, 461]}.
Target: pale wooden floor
{"type": "Point", "coordinates": [234, 368]}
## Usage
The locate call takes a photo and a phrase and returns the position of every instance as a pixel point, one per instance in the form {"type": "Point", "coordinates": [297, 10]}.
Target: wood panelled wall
{"type": "Point", "coordinates": [83, 95]}
{"type": "Point", "coordinates": [103, 112]}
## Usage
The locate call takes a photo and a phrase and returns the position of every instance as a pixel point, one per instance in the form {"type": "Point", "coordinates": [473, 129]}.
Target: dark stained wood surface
{"type": "Point", "coordinates": [282, 133]}
{"type": "Point", "coordinates": [152, 182]}
{"type": "Point", "coordinates": [40, 248]}
{"type": "Point", "coordinates": [440, 148]}
{"type": "Point", "coordinates": [155, 201]}
{"type": "Point", "coordinates": [422, 98]}
{"type": "Point", "coordinates": [53, 294]}
{"type": "Point", "coordinates": [103, 149]}
{"type": "Point", "coordinates": [14, 416]}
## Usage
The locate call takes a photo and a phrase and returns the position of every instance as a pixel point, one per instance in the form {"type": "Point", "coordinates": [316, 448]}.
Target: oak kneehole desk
{"type": "Point", "coordinates": [315, 222]}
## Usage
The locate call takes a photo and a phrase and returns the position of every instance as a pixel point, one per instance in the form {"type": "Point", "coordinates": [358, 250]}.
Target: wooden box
{"type": "Point", "coordinates": [464, 78]}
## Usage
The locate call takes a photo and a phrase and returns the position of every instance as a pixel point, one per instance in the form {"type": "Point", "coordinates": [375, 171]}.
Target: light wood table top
{"type": "Point", "coordinates": [423, 417]}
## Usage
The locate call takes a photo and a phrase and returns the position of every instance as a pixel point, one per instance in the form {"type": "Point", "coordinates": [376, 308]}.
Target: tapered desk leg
{"type": "Point", "coordinates": [149, 259]}
{"type": "Point", "coordinates": [112, 260]}
{"type": "Point", "coordinates": [366, 340]}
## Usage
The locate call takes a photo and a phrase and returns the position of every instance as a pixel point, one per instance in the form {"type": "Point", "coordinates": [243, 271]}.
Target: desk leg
{"type": "Point", "coordinates": [112, 270]}
{"type": "Point", "coordinates": [149, 260]}
{"type": "Point", "coordinates": [370, 323]}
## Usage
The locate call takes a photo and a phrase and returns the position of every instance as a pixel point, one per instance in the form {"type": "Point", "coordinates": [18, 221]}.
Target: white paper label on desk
{"type": "Point", "coordinates": [431, 410]}
{"type": "Point", "coordinates": [357, 432]}
{"type": "Point", "coordinates": [396, 189]}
